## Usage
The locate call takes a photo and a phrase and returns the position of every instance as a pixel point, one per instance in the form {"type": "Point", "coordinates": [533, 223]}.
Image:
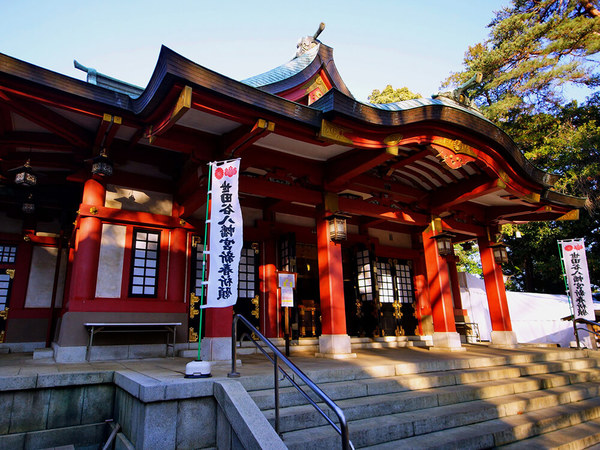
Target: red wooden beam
{"type": "Point", "coordinates": [101, 132]}
{"type": "Point", "coordinates": [240, 139]}
{"type": "Point", "coordinates": [342, 169]}
{"type": "Point", "coordinates": [364, 208]}
{"type": "Point", "coordinates": [35, 140]}
{"type": "Point", "coordinates": [5, 120]}
{"type": "Point", "coordinates": [399, 191]}
{"type": "Point", "coordinates": [48, 119]}
{"type": "Point", "coordinates": [290, 193]}
{"type": "Point", "coordinates": [468, 190]}
{"type": "Point", "coordinates": [411, 159]}
{"type": "Point", "coordinates": [181, 106]}
{"type": "Point", "coordinates": [112, 131]}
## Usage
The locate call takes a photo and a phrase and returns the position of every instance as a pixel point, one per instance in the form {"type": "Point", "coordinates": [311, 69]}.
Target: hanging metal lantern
{"type": "Point", "coordinates": [444, 243]}
{"type": "Point", "coordinates": [102, 165]}
{"type": "Point", "coordinates": [500, 253]}
{"type": "Point", "coordinates": [337, 227]}
{"type": "Point", "coordinates": [28, 205]}
{"type": "Point", "coordinates": [25, 175]}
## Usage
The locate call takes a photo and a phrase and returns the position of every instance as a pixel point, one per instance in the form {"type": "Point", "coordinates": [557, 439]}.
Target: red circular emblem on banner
{"type": "Point", "coordinates": [568, 248]}
{"type": "Point", "coordinates": [219, 173]}
{"type": "Point", "coordinates": [578, 247]}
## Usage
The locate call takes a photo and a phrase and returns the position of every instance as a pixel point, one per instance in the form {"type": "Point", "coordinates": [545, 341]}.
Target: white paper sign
{"type": "Point", "coordinates": [578, 278]}
{"type": "Point", "coordinates": [287, 283]}
{"type": "Point", "coordinates": [226, 235]}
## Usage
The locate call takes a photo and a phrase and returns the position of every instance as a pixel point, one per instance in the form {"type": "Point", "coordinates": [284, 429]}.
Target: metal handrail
{"type": "Point", "coordinates": [588, 322]}
{"type": "Point", "coordinates": [342, 430]}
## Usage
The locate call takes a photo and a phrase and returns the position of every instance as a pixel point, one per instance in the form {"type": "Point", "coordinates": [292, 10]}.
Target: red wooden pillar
{"type": "Point", "coordinates": [176, 290]}
{"type": "Point", "coordinates": [333, 341]}
{"type": "Point", "coordinates": [422, 295]}
{"type": "Point", "coordinates": [502, 333]}
{"type": "Point", "coordinates": [440, 293]}
{"type": "Point", "coordinates": [85, 270]}
{"type": "Point", "coordinates": [267, 273]}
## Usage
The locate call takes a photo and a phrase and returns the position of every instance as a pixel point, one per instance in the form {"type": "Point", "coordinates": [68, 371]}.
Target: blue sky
{"type": "Point", "coordinates": [402, 42]}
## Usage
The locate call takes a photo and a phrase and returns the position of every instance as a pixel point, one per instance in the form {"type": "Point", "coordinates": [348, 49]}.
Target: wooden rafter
{"type": "Point", "coordinates": [364, 208]}
{"type": "Point", "coordinates": [424, 181]}
{"type": "Point", "coordinates": [101, 132]}
{"type": "Point", "coordinates": [431, 172]}
{"type": "Point", "coordinates": [235, 142]}
{"type": "Point", "coordinates": [441, 169]}
{"type": "Point", "coordinates": [48, 119]}
{"type": "Point", "coordinates": [270, 189]}
{"type": "Point", "coordinates": [35, 140]}
{"type": "Point", "coordinates": [469, 190]}
{"type": "Point", "coordinates": [181, 106]}
{"type": "Point", "coordinates": [345, 168]}
{"type": "Point", "coordinates": [5, 120]}
{"type": "Point", "coordinates": [409, 160]}
{"type": "Point", "coordinates": [400, 191]}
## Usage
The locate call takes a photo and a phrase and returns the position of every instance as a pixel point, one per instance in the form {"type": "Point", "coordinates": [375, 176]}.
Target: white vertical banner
{"type": "Point", "coordinates": [226, 235]}
{"type": "Point", "coordinates": [578, 278]}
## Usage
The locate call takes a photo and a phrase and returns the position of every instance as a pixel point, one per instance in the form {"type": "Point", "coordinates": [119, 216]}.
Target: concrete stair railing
{"type": "Point", "coordinates": [528, 400]}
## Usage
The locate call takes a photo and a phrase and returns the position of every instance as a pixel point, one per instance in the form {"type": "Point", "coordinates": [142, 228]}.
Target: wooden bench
{"type": "Point", "coordinates": [131, 327]}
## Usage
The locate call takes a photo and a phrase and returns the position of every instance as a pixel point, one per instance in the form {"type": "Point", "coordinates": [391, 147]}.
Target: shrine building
{"type": "Point", "coordinates": [103, 198]}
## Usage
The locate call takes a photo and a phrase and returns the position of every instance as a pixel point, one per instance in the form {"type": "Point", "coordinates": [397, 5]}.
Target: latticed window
{"type": "Point", "coordinates": [144, 274]}
{"type": "Point", "coordinates": [4, 290]}
{"type": "Point", "coordinates": [363, 269]}
{"type": "Point", "coordinates": [385, 282]}
{"type": "Point", "coordinates": [197, 265]}
{"type": "Point", "coordinates": [8, 253]}
{"type": "Point", "coordinates": [287, 253]}
{"type": "Point", "coordinates": [248, 266]}
{"type": "Point", "coordinates": [404, 283]}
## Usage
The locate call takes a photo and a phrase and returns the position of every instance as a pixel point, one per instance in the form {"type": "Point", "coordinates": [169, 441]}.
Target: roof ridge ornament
{"type": "Point", "coordinates": [306, 43]}
{"type": "Point", "coordinates": [459, 95]}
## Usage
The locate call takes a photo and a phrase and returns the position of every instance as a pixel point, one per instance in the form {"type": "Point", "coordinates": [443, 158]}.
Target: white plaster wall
{"type": "Point", "coordinates": [121, 197]}
{"type": "Point", "coordinates": [391, 238]}
{"type": "Point", "coordinates": [41, 277]}
{"type": "Point", "coordinates": [110, 264]}
{"type": "Point", "coordinates": [536, 318]}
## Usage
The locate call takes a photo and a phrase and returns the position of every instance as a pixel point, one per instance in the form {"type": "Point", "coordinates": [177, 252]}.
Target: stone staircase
{"type": "Point", "coordinates": [544, 399]}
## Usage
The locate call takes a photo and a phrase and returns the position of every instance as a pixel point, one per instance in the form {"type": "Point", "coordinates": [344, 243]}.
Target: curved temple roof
{"type": "Point", "coordinates": [404, 145]}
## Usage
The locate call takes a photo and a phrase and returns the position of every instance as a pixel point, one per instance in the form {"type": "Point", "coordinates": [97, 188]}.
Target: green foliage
{"type": "Point", "coordinates": [468, 260]}
{"type": "Point", "coordinates": [536, 49]}
{"type": "Point", "coordinates": [533, 259]}
{"type": "Point", "coordinates": [391, 95]}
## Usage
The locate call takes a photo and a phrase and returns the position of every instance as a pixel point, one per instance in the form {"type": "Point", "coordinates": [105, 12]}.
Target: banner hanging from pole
{"type": "Point", "coordinates": [225, 235]}
{"type": "Point", "coordinates": [578, 278]}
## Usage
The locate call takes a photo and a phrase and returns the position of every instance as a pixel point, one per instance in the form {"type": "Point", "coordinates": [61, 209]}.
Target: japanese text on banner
{"type": "Point", "coordinates": [578, 278]}
{"type": "Point", "coordinates": [226, 235]}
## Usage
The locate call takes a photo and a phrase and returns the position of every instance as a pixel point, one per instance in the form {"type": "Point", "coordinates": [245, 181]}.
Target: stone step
{"type": "Point", "coordinates": [43, 353]}
{"type": "Point", "coordinates": [289, 396]}
{"type": "Point", "coordinates": [583, 435]}
{"type": "Point", "coordinates": [508, 430]}
{"type": "Point", "coordinates": [392, 344]}
{"type": "Point", "coordinates": [497, 397]}
{"type": "Point", "coordinates": [385, 373]}
{"type": "Point", "coordinates": [478, 424]}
